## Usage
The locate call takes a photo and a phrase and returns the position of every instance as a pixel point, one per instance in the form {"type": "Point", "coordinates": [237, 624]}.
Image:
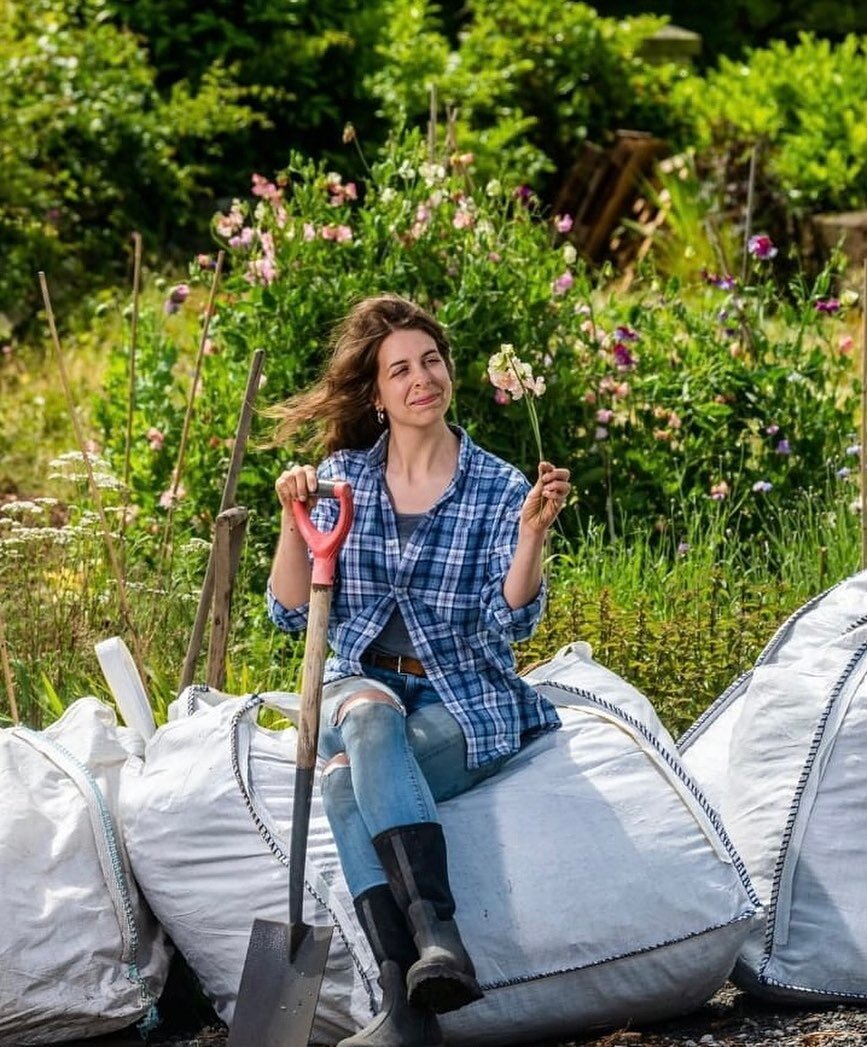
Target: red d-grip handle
{"type": "Point", "coordinates": [325, 545]}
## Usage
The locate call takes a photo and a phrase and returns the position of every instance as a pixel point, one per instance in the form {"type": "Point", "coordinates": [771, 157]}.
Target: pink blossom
{"type": "Point", "coordinates": [6, 350]}
{"type": "Point", "coordinates": [600, 434]}
{"type": "Point", "coordinates": [846, 343]}
{"type": "Point", "coordinates": [719, 491]}
{"type": "Point", "coordinates": [623, 358]}
{"type": "Point", "coordinates": [563, 223]}
{"type": "Point", "coordinates": [227, 224]}
{"type": "Point", "coordinates": [309, 231]}
{"type": "Point", "coordinates": [242, 239]}
{"type": "Point", "coordinates": [168, 497]}
{"type": "Point", "coordinates": [513, 376]}
{"type": "Point", "coordinates": [562, 284]}
{"type": "Point", "coordinates": [262, 187]}
{"type": "Point", "coordinates": [261, 271]}
{"type": "Point", "coordinates": [205, 261]}
{"type": "Point", "coordinates": [501, 396]}
{"type": "Point", "coordinates": [495, 257]}
{"type": "Point", "coordinates": [604, 415]}
{"type": "Point", "coordinates": [463, 219]}
{"type": "Point", "coordinates": [177, 296]}
{"type": "Point", "coordinates": [155, 438]}
{"type": "Point", "coordinates": [208, 349]}
{"type": "Point", "coordinates": [344, 234]}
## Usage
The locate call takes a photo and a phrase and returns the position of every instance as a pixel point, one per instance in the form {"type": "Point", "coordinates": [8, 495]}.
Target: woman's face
{"type": "Point", "coordinates": [413, 386]}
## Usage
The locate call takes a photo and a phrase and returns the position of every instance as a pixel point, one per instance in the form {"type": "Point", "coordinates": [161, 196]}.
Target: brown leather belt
{"type": "Point", "coordinates": [399, 663]}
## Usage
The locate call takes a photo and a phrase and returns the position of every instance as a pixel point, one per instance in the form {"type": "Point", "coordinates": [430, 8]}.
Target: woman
{"type": "Point", "coordinates": [441, 570]}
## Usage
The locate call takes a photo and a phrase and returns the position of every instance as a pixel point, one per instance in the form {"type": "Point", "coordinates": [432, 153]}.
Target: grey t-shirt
{"type": "Point", "coordinates": [394, 638]}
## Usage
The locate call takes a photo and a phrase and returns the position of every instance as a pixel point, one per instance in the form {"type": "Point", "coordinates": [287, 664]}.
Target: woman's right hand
{"type": "Point", "coordinates": [298, 483]}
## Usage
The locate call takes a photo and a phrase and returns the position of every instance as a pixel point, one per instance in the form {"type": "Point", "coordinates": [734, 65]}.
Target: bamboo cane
{"type": "Point", "coordinates": [863, 456]}
{"type": "Point", "coordinates": [7, 672]}
{"type": "Point", "coordinates": [91, 479]}
{"type": "Point", "coordinates": [131, 391]}
{"type": "Point", "coordinates": [748, 220]}
{"type": "Point", "coordinates": [185, 431]}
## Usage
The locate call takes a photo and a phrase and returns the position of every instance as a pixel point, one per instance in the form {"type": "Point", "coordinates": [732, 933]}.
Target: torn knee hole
{"type": "Point", "coordinates": [338, 760]}
{"type": "Point", "coordinates": [362, 698]}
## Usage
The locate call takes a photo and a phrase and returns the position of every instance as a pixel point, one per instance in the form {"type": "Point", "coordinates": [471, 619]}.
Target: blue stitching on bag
{"type": "Point", "coordinates": [796, 802]}
{"type": "Point", "coordinates": [151, 1018]}
{"type": "Point", "coordinates": [675, 766]}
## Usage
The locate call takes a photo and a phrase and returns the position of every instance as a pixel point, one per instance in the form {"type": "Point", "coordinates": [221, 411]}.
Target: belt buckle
{"type": "Point", "coordinates": [399, 663]}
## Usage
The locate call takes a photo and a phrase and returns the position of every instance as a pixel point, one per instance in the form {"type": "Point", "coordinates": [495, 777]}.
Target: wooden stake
{"type": "Point", "coordinates": [91, 479]}
{"type": "Point", "coordinates": [182, 450]}
{"type": "Point", "coordinates": [7, 673]}
{"type": "Point", "coordinates": [242, 431]}
{"type": "Point", "coordinates": [863, 456]}
{"type": "Point", "coordinates": [432, 125]}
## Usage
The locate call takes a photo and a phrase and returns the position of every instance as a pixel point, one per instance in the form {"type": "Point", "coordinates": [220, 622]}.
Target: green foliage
{"type": "Point", "coordinates": [735, 391]}
{"type": "Point", "coordinates": [812, 128]}
{"type": "Point", "coordinates": [89, 149]}
{"type": "Point", "coordinates": [531, 80]}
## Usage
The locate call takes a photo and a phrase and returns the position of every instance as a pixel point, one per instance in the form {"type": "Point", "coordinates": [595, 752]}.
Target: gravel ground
{"type": "Point", "coordinates": [730, 1019]}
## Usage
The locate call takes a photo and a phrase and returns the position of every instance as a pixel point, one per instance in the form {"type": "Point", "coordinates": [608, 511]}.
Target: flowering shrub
{"type": "Point", "coordinates": [720, 390]}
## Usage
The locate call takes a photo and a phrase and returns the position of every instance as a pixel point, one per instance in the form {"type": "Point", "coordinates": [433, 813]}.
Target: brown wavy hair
{"type": "Point", "coordinates": [339, 407]}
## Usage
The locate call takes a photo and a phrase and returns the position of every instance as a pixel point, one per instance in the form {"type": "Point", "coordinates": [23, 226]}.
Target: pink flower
{"type": "Point", "coordinates": [309, 231]}
{"type": "Point", "coordinates": [155, 438]}
{"type": "Point", "coordinates": [169, 497]}
{"type": "Point", "coordinates": [261, 271]}
{"type": "Point", "coordinates": [762, 247]}
{"type": "Point", "coordinates": [562, 284]}
{"type": "Point", "coordinates": [604, 415]}
{"type": "Point", "coordinates": [242, 239]}
{"type": "Point", "coordinates": [846, 343]}
{"type": "Point", "coordinates": [600, 434]}
{"type": "Point", "coordinates": [205, 261]}
{"type": "Point", "coordinates": [563, 223]}
{"type": "Point", "coordinates": [501, 396]}
{"type": "Point", "coordinates": [463, 219]}
{"type": "Point", "coordinates": [262, 187]}
{"type": "Point", "coordinates": [177, 296]}
{"type": "Point", "coordinates": [495, 257]}
{"type": "Point", "coordinates": [344, 234]}
{"type": "Point", "coordinates": [227, 224]}
{"type": "Point", "coordinates": [719, 491]}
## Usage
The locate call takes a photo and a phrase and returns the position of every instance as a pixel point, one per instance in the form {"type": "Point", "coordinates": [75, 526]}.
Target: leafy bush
{"type": "Point", "coordinates": [715, 390]}
{"type": "Point", "coordinates": [91, 151]}
{"type": "Point", "coordinates": [531, 80]}
{"type": "Point", "coordinates": [811, 128]}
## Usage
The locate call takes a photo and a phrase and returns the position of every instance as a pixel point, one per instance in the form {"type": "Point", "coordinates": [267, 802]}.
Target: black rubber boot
{"type": "Point", "coordinates": [398, 1023]}
{"type": "Point", "coordinates": [414, 858]}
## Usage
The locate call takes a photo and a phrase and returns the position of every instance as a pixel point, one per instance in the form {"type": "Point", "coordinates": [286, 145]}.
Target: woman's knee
{"type": "Point", "coordinates": [367, 704]}
{"type": "Point", "coordinates": [336, 785]}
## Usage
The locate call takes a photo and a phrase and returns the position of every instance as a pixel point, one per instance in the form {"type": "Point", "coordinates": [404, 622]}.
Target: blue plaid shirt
{"type": "Point", "coordinates": [448, 584]}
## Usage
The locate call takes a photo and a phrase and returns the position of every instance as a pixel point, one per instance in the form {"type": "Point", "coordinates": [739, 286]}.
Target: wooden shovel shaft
{"type": "Point", "coordinates": [315, 651]}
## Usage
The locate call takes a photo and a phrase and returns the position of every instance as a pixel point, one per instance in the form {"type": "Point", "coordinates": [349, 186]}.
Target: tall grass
{"type": "Point", "coordinates": [680, 614]}
{"type": "Point", "coordinates": [677, 613]}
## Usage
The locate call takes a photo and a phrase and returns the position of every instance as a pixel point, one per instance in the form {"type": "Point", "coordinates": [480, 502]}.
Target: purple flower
{"type": "Point", "coordinates": [726, 282]}
{"type": "Point", "coordinates": [177, 296]}
{"type": "Point", "coordinates": [762, 486]}
{"type": "Point", "coordinates": [783, 447]}
{"type": "Point", "coordinates": [762, 247]}
{"type": "Point", "coordinates": [772, 429]}
{"type": "Point", "coordinates": [682, 548]}
{"type": "Point", "coordinates": [625, 334]}
{"type": "Point", "coordinates": [563, 223]}
{"type": "Point", "coordinates": [844, 472]}
{"type": "Point", "coordinates": [622, 357]}
{"type": "Point", "coordinates": [828, 305]}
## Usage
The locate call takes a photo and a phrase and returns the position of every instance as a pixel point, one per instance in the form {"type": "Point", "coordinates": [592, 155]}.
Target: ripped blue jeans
{"type": "Point", "coordinates": [402, 756]}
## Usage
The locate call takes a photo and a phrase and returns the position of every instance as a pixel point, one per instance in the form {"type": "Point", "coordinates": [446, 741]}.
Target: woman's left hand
{"type": "Point", "coordinates": [543, 504]}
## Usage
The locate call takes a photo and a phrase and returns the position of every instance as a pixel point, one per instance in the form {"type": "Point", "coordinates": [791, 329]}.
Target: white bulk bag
{"type": "Point", "coordinates": [207, 817]}
{"type": "Point", "coordinates": [594, 885]}
{"type": "Point", "coordinates": [79, 953]}
{"type": "Point", "coordinates": [789, 774]}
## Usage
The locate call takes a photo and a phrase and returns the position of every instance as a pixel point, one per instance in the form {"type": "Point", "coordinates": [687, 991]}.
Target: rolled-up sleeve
{"type": "Point", "coordinates": [514, 623]}
{"type": "Point", "coordinates": [289, 619]}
